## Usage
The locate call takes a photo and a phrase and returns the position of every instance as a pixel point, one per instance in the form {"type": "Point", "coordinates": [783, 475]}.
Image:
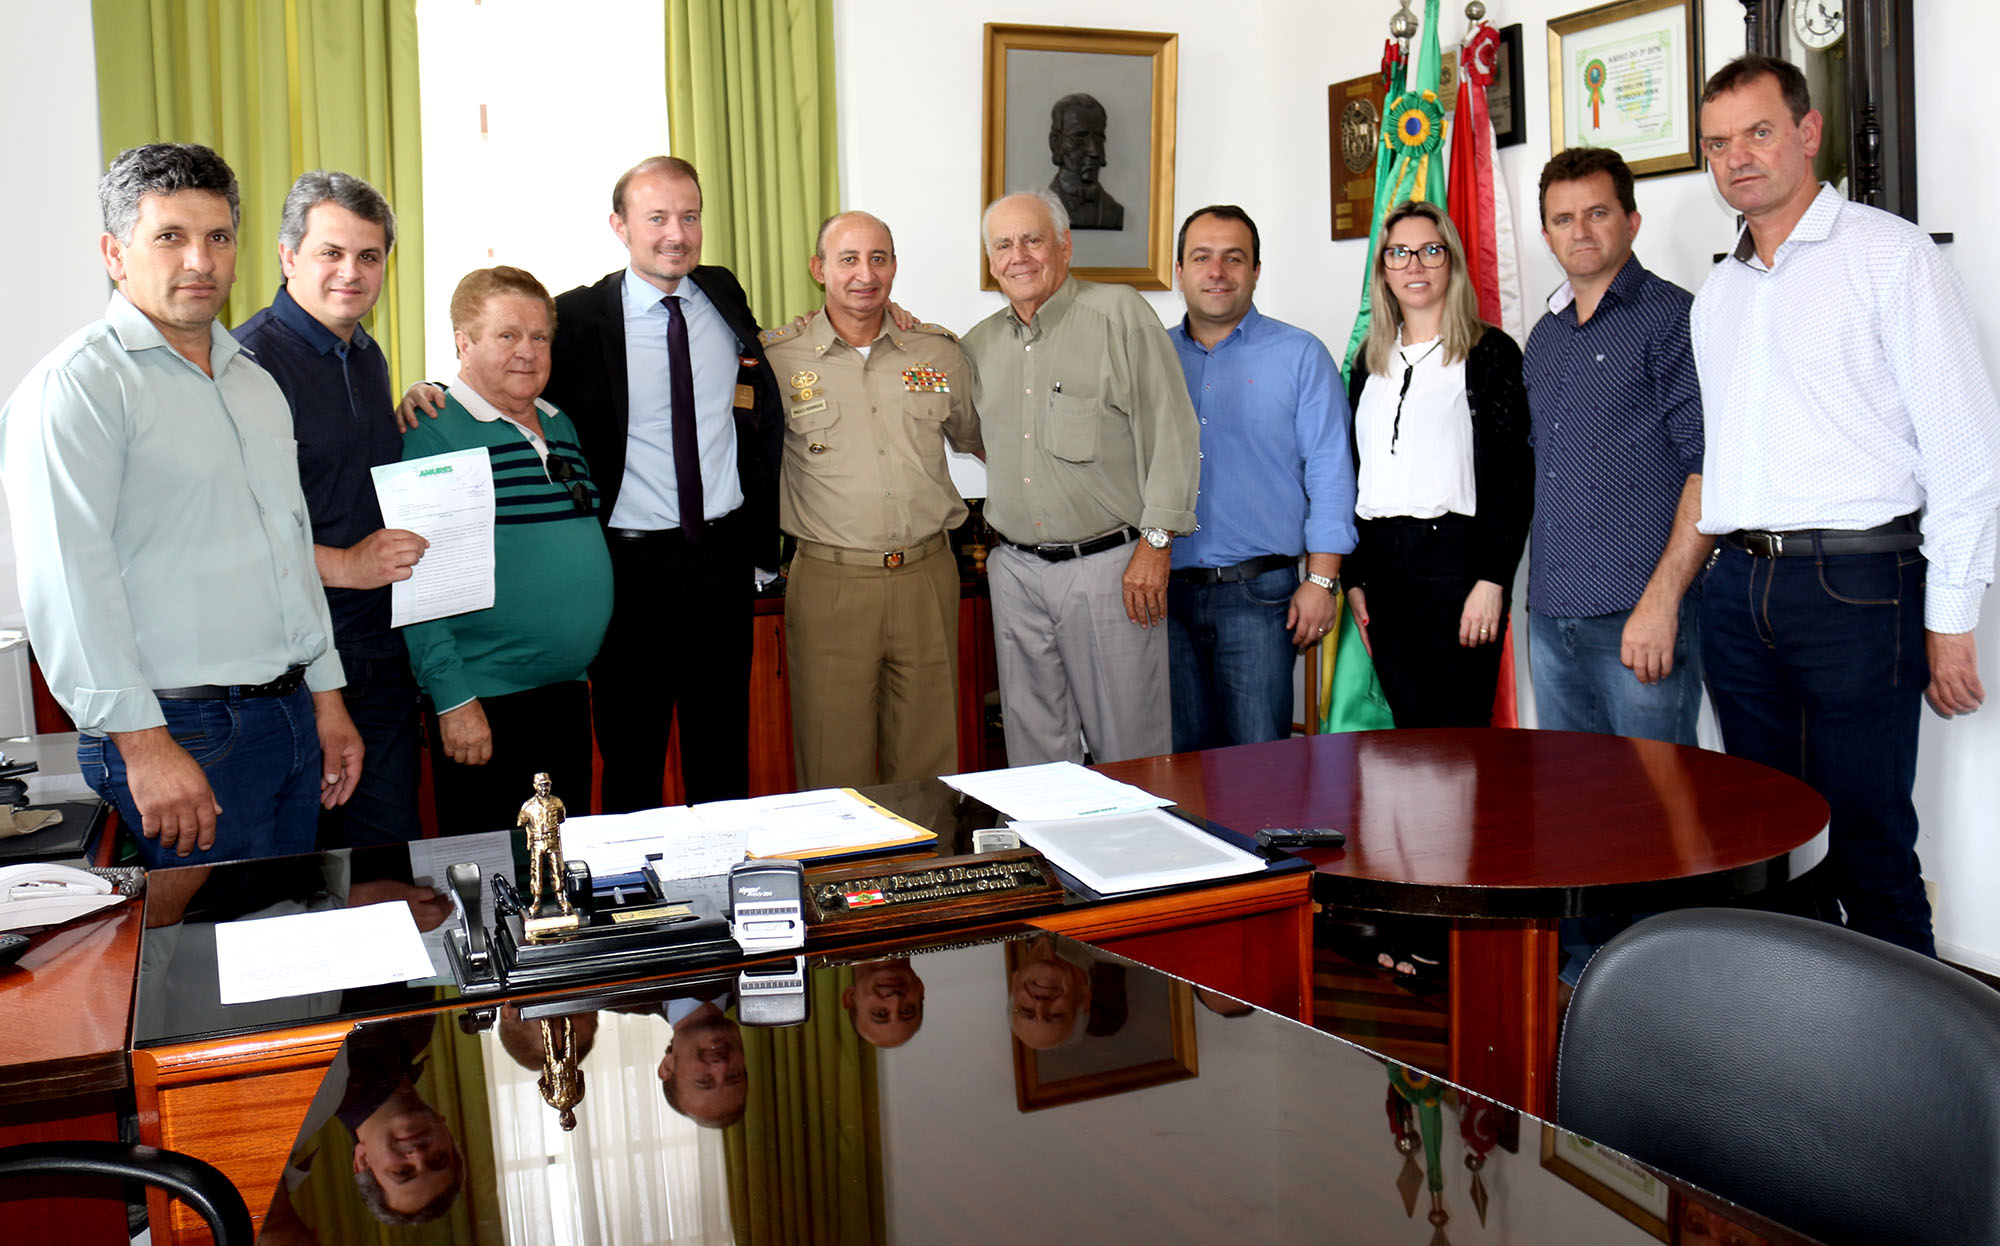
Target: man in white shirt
{"type": "Point", "coordinates": [1852, 470]}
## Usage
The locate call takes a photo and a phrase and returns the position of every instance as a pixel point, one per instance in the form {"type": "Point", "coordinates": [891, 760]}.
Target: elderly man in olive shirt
{"type": "Point", "coordinates": [1091, 458]}
{"type": "Point", "coordinates": [871, 609]}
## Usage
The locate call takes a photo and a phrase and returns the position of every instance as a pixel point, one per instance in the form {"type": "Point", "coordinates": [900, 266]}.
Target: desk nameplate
{"type": "Point", "coordinates": [884, 897]}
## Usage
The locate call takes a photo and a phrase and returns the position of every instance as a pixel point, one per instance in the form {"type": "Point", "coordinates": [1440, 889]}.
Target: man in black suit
{"type": "Point", "coordinates": [659, 366]}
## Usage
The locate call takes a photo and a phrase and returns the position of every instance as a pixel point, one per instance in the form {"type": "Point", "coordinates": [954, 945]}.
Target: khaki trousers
{"type": "Point", "coordinates": [873, 658]}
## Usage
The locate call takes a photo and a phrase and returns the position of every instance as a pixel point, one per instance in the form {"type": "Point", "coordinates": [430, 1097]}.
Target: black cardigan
{"type": "Point", "coordinates": [1503, 463]}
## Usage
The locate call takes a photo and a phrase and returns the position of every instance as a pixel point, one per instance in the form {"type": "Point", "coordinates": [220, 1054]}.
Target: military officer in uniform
{"type": "Point", "coordinates": [871, 609]}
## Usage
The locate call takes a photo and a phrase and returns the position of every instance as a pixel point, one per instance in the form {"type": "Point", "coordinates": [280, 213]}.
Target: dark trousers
{"type": "Point", "coordinates": [1419, 575]}
{"type": "Point", "coordinates": [543, 730]}
{"type": "Point", "coordinates": [1816, 667]}
{"type": "Point", "coordinates": [261, 756]}
{"type": "Point", "coordinates": [381, 698]}
{"type": "Point", "coordinates": [679, 639]}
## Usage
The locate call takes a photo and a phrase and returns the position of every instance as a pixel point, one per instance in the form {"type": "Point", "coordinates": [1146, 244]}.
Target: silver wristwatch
{"type": "Point", "coordinates": [1329, 585]}
{"type": "Point", "coordinates": [1158, 538]}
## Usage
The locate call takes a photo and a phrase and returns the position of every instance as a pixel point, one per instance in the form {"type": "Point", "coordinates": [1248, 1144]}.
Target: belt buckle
{"type": "Point", "coordinates": [893, 559]}
{"type": "Point", "coordinates": [1765, 544]}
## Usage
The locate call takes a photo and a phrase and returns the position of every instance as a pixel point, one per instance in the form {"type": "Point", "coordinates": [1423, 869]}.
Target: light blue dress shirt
{"type": "Point", "coordinates": [648, 498]}
{"type": "Point", "coordinates": [161, 532]}
{"type": "Point", "coordinates": [1277, 475]}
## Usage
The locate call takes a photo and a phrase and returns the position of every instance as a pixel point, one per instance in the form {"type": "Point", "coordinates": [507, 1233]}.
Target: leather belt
{"type": "Point", "coordinates": [1893, 537]}
{"type": "Point", "coordinates": [890, 559]}
{"type": "Point", "coordinates": [1063, 551]}
{"type": "Point", "coordinates": [1249, 569]}
{"type": "Point", "coordinates": [283, 686]}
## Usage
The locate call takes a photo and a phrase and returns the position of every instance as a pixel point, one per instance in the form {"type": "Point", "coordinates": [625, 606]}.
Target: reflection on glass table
{"type": "Point", "coordinates": [1018, 1090]}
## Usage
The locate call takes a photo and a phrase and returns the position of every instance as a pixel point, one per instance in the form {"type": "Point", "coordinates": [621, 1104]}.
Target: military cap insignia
{"type": "Point", "coordinates": [924, 379]}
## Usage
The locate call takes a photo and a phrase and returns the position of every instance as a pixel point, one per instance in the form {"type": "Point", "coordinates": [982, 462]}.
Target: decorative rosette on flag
{"type": "Point", "coordinates": [1414, 131]}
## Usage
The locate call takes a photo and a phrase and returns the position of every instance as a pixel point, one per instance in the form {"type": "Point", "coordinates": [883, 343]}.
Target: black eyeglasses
{"type": "Point", "coordinates": [1431, 254]}
{"type": "Point", "coordinates": [560, 472]}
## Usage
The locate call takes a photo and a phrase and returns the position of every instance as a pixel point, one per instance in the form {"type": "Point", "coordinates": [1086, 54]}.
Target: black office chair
{"type": "Point", "coordinates": [1844, 1087]}
{"type": "Point", "coordinates": [198, 1184]}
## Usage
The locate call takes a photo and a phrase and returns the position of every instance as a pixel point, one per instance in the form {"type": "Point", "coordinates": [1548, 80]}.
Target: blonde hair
{"type": "Point", "coordinates": [1462, 327]}
{"type": "Point", "coordinates": [468, 301]}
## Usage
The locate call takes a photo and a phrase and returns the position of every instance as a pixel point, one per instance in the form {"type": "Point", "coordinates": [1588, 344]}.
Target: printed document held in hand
{"type": "Point", "coordinates": [447, 499]}
{"type": "Point", "coordinates": [1116, 852]}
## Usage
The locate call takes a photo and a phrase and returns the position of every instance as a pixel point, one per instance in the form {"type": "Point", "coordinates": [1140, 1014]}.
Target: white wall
{"type": "Point", "coordinates": [55, 279]}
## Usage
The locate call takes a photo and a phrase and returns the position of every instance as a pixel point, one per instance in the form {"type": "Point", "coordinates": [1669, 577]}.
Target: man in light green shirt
{"type": "Point", "coordinates": [165, 556]}
{"type": "Point", "coordinates": [1091, 465]}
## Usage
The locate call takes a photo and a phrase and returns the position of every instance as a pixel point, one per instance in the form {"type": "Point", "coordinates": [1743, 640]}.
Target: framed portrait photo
{"type": "Point", "coordinates": [1088, 114]}
{"type": "Point", "coordinates": [1626, 76]}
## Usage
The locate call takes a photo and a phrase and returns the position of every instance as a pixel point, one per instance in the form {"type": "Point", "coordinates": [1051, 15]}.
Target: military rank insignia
{"type": "Point", "coordinates": [924, 379]}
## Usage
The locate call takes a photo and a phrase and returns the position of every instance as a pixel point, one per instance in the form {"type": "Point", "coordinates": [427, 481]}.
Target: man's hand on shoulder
{"type": "Point", "coordinates": [339, 746]}
{"type": "Point", "coordinates": [1146, 584]}
{"type": "Point", "coordinates": [424, 397]}
{"type": "Point", "coordinates": [1647, 646]}
{"type": "Point", "coordinates": [384, 556]}
{"type": "Point", "coordinates": [1955, 687]}
{"type": "Point", "coordinates": [176, 804]}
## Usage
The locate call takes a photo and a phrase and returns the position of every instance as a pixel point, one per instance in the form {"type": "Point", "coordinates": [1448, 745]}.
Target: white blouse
{"type": "Point", "coordinates": [1429, 471]}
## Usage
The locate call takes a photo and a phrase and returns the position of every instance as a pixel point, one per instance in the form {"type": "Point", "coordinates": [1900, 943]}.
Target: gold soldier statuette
{"type": "Point", "coordinates": [561, 1082]}
{"type": "Point", "coordinates": [542, 817]}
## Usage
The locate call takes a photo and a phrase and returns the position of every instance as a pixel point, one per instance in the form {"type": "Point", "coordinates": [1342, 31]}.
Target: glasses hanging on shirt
{"type": "Point", "coordinates": [560, 472]}
{"type": "Point", "coordinates": [1431, 255]}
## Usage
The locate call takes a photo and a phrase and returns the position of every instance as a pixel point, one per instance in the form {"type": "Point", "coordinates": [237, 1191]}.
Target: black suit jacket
{"type": "Point", "coordinates": [587, 380]}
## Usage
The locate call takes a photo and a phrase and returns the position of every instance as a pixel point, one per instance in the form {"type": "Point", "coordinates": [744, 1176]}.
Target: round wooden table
{"type": "Point", "coordinates": [1506, 832]}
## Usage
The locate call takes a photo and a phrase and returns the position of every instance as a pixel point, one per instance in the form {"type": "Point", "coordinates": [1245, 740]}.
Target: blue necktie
{"type": "Point", "coordinates": [687, 448]}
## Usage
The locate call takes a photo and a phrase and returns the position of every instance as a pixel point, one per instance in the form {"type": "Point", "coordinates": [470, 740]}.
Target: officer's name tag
{"type": "Point", "coordinates": [811, 408]}
{"type": "Point", "coordinates": [746, 398]}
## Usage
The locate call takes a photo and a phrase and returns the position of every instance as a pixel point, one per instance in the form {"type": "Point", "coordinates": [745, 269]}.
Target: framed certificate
{"type": "Point", "coordinates": [1626, 76]}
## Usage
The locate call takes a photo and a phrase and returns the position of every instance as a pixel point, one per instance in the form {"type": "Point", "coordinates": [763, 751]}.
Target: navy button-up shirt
{"type": "Point", "coordinates": [1616, 407]}
{"type": "Point", "coordinates": [343, 417]}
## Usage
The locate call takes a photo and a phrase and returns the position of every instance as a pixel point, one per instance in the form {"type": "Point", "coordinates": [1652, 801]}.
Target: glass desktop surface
{"type": "Point", "coordinates": [1148, 1110]}
{"type": "Point", "coordinates": [178, 992]}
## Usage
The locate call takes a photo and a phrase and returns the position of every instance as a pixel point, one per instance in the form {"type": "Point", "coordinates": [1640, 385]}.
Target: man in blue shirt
{"type": "Point", "coordinates": [1277, 481]}
{"type": "Point", "coordinates": [334, 241]}
{"type": "Point", "coordinates": [1616, 408]}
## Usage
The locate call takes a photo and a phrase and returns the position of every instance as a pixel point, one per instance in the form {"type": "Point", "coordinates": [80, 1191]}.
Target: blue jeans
{"type": "Point", "coordinates": [1580, 685]}
{"type": "Point", "coordinates": [1230, 659]}
{"type": "Point", "coordinates": [261, 756]}
{"type": "Point", "coordinates": [1817, 668]}
{"type": "Point", "coordinates": [381, 698]}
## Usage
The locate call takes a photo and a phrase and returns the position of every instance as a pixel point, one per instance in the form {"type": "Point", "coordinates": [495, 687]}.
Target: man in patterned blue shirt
{"type": "Point", "coordinates": [1616, 408]}
{"type": "Point", "coordinates": [1277, 482]}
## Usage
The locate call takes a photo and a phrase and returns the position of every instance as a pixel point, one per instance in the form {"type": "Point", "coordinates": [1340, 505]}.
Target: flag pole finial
{"type": "Point", "coordinates": [1475, 12]}
{"type": "Point", "coordinates": [1404, 24]}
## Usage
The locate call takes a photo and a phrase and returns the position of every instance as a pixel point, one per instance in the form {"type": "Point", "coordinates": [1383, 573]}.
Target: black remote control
{"type": "Point", "coordinates": [11, 947]}
{"type": "Point", "coordinates": [1300, 837]}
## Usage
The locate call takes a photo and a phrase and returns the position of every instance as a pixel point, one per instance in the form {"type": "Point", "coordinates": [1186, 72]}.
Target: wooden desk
{"type": "Point", "coordinates": [237, 1100]}
{"type": "Point", "coordinates": [65, 1020]}
{"type": "Point", "coordinates": [1505, 833]}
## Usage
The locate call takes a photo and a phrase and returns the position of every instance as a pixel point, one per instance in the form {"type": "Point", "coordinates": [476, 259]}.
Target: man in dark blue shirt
{"type": "Point", "coordinates": [334, 241]}
{"type": "Point", "coordinates": [1277, 483]}
{"type": "Point", "coordinates": [1618, 440]}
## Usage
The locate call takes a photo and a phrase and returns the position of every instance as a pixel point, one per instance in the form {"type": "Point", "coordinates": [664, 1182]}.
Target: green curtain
{"type": "Point", "coordinates": [805, 1162]}
{"type": "Point", "coordinates": [750, 104]}
{"type": "Point", "coordinates": [278, 87]}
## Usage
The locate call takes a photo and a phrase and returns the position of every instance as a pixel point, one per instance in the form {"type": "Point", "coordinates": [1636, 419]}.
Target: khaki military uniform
{"type": "Point", "coordinates": [871, 608]}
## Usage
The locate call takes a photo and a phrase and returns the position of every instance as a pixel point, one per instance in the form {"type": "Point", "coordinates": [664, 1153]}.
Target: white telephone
{"type": "Point", "coordinates": [40, 894]}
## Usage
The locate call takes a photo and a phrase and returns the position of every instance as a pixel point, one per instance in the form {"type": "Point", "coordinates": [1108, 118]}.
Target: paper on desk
{"type": "Point", "coordinates": [447, 499]}
{"type": "Point", "coordinates": [618, 843]}
{"type": "Point", "coordinates": [813, 824]}
{"type": "Point", "coordinates": [44, 788]}
{"type": "Point", "coordinates": [1136, 851]}
{"type": "Point", "coordinates": [307, 953]}
{"type": "Point", "coordinates": [1057, 789]}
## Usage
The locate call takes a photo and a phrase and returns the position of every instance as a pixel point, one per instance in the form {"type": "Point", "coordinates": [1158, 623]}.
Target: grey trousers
{"type": "Point", "coordinates": [1073, 668]}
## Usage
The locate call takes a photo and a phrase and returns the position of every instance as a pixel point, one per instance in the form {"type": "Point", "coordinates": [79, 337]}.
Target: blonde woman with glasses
{"type": "Point", "coordinates": [1445, 478]}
